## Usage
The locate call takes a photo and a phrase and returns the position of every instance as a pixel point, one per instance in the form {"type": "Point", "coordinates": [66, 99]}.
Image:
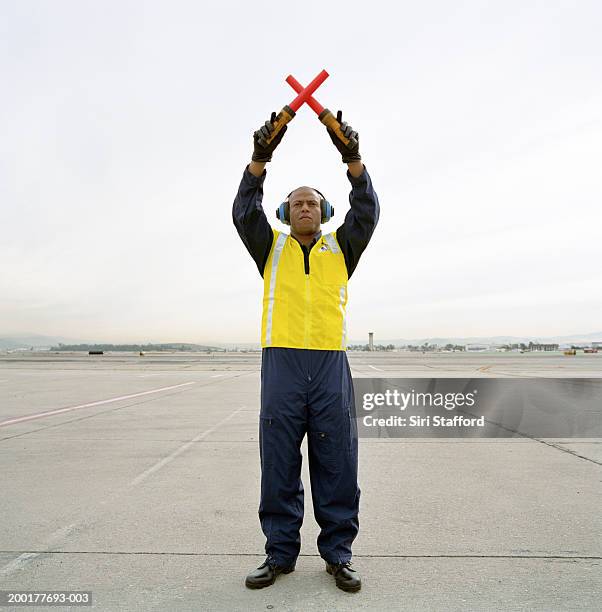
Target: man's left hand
{"type": "Point", "coordinates": [348, 154]}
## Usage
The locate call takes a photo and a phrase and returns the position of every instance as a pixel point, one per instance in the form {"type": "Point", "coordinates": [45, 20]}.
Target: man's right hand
{"type": "Point", "coordinates": [263, 152]}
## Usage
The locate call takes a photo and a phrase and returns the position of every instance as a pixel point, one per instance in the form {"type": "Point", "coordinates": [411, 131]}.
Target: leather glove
{"type": "Point", "coordinates": [262, 152]}
{"type": "Point", "coordinates": [348, 154]}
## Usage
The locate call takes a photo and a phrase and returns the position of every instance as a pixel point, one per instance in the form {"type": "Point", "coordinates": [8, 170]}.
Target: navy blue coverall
{"type": "Point", "coordinates": [307, 391]}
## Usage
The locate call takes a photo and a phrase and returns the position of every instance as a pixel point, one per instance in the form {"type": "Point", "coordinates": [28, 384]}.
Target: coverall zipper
{"type": "Point", "coordinates": [307, 310]}
{"type": "Point", "coordinates": [307, 318]}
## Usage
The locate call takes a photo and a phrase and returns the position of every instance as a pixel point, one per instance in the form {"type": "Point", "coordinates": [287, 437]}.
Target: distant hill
{"type": "Point", "coordinates": [442, 341]}
{"type": "Point", "coordinates": [41, 342]}
{"type": "Point", "coordinates": [176, 346]}
{"type": "Point", "coordinates": [27, 341]}
{"type": "Point", "coordinates": [57, 343]}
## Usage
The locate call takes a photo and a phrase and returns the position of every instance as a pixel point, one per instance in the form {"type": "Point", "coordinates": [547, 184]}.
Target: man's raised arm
{"type": "Point", "coordinates": [357, 229]}
{"type": "Point", "coordinates": [247, 212]}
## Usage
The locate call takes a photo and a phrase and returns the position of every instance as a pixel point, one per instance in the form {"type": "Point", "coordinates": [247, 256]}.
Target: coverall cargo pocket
{"type": "Point", "coordinates": [351, 435]}
{"type": "Point", "coordinates": [326, 449]}
{"type": "Point", "coordinates": [266, 440]}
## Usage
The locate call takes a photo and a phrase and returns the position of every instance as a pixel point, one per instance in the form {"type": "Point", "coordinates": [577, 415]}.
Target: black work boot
{"type": "Point", "coordinates": [265, 574]}
{"type": "Point", "coordinates": [346, 578]}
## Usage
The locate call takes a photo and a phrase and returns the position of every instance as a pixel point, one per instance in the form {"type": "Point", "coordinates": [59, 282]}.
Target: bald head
{"type": "Point", "coordinates": [304, 188]}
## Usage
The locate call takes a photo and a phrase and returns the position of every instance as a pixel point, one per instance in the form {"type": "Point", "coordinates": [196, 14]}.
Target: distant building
{"type": "Point", "coordinates": [477, 347]}
{"type": "Point", "coordinates": [542, 347]}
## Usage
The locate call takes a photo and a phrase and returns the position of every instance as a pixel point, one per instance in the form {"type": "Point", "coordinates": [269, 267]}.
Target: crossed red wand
{"type": "Point", "coordinates": [305, 95]}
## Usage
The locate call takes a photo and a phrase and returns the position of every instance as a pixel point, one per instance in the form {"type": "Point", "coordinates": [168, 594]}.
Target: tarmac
{"type": "Point", "coordinates": [137, 478]}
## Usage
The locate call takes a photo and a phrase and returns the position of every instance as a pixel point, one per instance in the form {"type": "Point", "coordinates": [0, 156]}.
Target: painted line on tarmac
{"type": "Point", "coordinates": [59, 537]}
{"type": "Point", "coordinates": [180, 450]}
{"type": "Point", "coordinates": [41, 415]}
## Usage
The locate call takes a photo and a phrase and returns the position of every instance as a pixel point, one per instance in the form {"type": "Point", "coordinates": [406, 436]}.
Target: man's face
{"type": "Point", "coordinates": [305, 211]}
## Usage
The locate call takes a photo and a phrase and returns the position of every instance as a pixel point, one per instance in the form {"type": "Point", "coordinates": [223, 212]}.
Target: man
{"type": "Point", "coordinates": [306, 384]}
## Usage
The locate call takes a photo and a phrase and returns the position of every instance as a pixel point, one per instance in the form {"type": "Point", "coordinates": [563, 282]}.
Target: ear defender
{"type": "Point", "coordinates": [283, 212]}
{"type": "Point", "coordinates": [327, 210]}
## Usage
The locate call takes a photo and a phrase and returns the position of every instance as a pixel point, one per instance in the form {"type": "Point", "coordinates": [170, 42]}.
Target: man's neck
{"type": "Point", "coordinates": [307, 239]}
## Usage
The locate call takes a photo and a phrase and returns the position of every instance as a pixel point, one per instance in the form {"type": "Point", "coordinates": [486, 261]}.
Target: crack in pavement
{"type": "Point", "coordinates": [358, 556]}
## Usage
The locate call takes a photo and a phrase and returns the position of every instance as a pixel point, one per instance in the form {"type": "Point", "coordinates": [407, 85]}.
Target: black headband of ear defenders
{"type": "Point", "coordinates": [316, 190]}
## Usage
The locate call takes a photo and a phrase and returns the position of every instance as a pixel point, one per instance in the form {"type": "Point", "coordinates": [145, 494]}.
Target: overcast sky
{"type": "Point", "coordinates": [125, 128]}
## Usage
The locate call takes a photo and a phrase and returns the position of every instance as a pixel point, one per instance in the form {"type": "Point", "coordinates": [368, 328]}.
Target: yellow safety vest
{"type": "Point", "coordinates": [304, 310]}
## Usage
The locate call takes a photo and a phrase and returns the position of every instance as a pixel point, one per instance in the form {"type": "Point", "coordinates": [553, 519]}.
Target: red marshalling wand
{"type": "Point", "coordinates": [289, 110]}
{"type": "Point", "coordinates": [324, 115]}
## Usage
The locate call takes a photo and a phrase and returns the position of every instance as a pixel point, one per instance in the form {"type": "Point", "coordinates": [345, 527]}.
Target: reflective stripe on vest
{"type": "Point", "coordinates": [305, 310]}
{"type": "Point", "coordinates": [332, 243]}
{"type": "Point", "coordinates": [273, 274]}
{"type": "Point", "coordinates": [342, 303]}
